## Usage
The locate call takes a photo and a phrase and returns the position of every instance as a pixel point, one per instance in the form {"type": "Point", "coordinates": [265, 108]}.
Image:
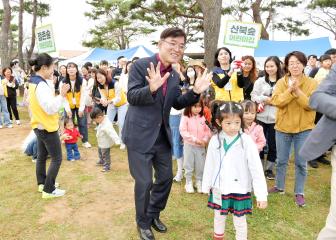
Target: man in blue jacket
{"type": "Point", "coordinates": [153, 88]}
{"type": "Point", "coordinates": [321, 138]}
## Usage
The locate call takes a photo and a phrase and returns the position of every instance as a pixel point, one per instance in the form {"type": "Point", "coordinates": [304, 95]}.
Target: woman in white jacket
{"type": "Point", "coordinates": [232, 167]}
{"type": "Point", "coordinates": [261, 94]}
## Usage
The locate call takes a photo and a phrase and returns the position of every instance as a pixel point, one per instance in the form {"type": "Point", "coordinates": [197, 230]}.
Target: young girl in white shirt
{"type": "Point", "coordinates": [232, 167]}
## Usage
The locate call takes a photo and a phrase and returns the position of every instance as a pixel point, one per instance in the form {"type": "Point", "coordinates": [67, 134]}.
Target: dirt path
{"type": "Point", "coordinates": [94, 199]}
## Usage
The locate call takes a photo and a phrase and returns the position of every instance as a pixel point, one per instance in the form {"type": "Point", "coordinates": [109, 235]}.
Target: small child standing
{"type": "Point", "coordinates": [71, 141]}
{"type": "Point", "coordinates": [250, 126]}
{"type": "Point", "coordinates": [106, 137]}
{"type": "Point", "coordinates": [196, 135]}
{"type": "Point", "coordinates": [232, 167]}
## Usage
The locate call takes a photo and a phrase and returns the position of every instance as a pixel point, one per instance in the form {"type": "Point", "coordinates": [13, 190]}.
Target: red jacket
{"type": "Point", "coordinates": [74, 133]}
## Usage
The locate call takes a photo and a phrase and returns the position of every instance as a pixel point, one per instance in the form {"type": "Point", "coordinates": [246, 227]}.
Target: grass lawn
{"type": "Point", "coordinates": [101, 206]}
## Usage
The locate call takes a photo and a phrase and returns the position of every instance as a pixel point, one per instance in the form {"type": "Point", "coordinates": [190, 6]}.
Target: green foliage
{"type": "Point", "coordinates": [169, 13]}
{"type": "Point", "coordinates": [116, 26]}
{"type": "Point", "coordinates": [42, 8]}
{"type": "Point", "coordinates": [293, 27]}
{"type": "Point", "coordinates": [322, 4]}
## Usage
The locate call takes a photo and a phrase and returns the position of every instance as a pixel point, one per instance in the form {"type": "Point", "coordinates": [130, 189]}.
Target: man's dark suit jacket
{"type": "Point", "coordinates": [147, 111]}
{"type": "Point", "coordinates": [323, 136]}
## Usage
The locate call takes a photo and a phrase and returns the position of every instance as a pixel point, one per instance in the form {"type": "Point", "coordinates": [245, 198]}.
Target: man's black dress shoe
{"type": "Point", "coordinates": [145, 234]}
{"type": "Point", "coordinates": [323, 160]}
{"type": "Point", "coordinates": [159, 226]}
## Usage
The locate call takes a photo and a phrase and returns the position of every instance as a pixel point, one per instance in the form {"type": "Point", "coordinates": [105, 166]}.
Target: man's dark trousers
{"type": "Point", "coordinates": [151, 198]}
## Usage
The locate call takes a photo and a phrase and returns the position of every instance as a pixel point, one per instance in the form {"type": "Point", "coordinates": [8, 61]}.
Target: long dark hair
{"type": "Point", "coordinates": [216, 62]}
{"type": "Point", "coordinates": [79, 80]}
{"type": "Point", "coordinates": [187, 111]}
{"type": "Point", "coordinates": [277, 62]}
{"type": "Point", "coordinates": [103, 72]}
{"type": "Point", "coordinates": [253, 75]}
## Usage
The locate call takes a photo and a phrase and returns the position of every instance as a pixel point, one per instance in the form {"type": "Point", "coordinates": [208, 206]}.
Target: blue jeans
{"type": "Point", "coordinates": [283, 144]}
{"type": "Point", "coordinates": [113, 110]}
{"type": "Point", "coordinates": [31, 149]}
{"type": "Point", "coordinates": [4, 111]}
{"type": "Point", "coordinates": [174, 123]}
{"type": "Point", "coordinates": [72, 151]}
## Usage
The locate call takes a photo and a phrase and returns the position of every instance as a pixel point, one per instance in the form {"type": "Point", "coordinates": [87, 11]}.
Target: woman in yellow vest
{"type": "Point", "coordinates": [44, 108]}
{"type": "Point", "coordinates": [76, 99]}
{"type": "Point", "coordinates": [3, 104]}
{"type": "Point", "coordinates": [114, 98]}
{"type": "Point", "coordinates": [224, 79]}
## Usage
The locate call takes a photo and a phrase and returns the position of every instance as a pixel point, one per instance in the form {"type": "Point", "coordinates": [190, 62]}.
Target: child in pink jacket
{"type": "Point", "coordinates": [196, 135]}
{"type": "Point", "coordinates": [250, 126]}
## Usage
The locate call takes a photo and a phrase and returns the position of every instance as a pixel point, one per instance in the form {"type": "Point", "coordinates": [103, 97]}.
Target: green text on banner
{"type": "Point", "coordinates": [45, 39]}
{"type": "Point", "coordinates": [242, 34]}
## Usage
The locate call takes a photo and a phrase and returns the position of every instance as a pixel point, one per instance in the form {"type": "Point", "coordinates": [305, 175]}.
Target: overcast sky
{"type": "Point", "coordinates": [71, 26]}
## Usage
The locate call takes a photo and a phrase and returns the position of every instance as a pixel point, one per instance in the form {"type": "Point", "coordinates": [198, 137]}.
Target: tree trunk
{"type": "Point", "coordinates": [257, 18]}
{"type": "Point", "coordinates": [32, 44]}
{"type": "Point", "coordinates": [211, 10]}
{"type": "Point", "coordinates": [20, 43]}
{"type": "Point", "coordinates": [4, 34]}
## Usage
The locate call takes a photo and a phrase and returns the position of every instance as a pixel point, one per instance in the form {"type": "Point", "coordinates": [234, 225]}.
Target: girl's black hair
{"type": "Point", "coordinates": [277, 62]}
{"type": "Point", "coordinates": [249, 105]}
{"type": "Point", "coordinates": [67, 120]}
{"type": "Point", "coordinates": [221, 110]}
{"type": "Point", "coordinates": [79, 80]}
{"type": "Point", "coordinates": [42, 59]}
{"type": "Point", "coordinates": [187, 111]}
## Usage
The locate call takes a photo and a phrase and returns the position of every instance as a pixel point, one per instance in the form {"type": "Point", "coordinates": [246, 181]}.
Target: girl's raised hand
{"type": "Point", "coordinates": [262, 204]}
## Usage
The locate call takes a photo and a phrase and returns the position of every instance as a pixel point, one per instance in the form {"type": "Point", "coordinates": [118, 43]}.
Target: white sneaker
{"type": "Point", "coordinates": [178, 177]}
{"type": "Point", "coordinates": [189, 187]}
{"type": "Point", "coordinates": [199, 186]}
{"type": "Point", "coordinates": [1, 126]}
{"type": "Point", "coordinates": [56, 193]}
{"type": "Point", "coordinates": [18, 122]}
{"type": "Point", "coordinates": [34, 160]}
{"type": "Point", "coordinates": [122, 146]}
{"type": "Point", "coordinates": [87, 145]}
{"type": "Point", "coordinates": [41, 186]}
{"type": "Point", "coordinates": [9, 126]}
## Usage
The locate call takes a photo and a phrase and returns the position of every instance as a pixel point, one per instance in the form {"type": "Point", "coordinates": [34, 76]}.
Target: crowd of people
{"type": "Point", "coordinates": [229, 130]}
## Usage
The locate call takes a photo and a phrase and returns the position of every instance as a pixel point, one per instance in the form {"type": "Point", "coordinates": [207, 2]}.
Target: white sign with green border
{"type": "Point", "coordinates": [242, 34]}
{"type": "Point", "coordinates": [45, 39]}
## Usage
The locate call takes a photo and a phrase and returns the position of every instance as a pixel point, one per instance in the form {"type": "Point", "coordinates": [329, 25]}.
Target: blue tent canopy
{"type": "Point", "coordinates": [315, 46]}
{"type": "Point", "coordinates": [98, 54]}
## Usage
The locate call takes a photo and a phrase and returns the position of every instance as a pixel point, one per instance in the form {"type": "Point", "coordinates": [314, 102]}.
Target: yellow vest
{"type": "Point", "coordinates": [4, 86]}
{"type": "Point", "coordinates": [70, 96]}
{"type": "Point", "coordinates": [236, 94]}
{"type": "Point", "coordinates": [39, 117]}
{"type": "Point", "coordinates": [110, 94]}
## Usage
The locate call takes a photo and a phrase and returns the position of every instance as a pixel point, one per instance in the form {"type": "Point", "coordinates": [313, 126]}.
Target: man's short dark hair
{"type": "Point", "coordinates": [103, 62]}
{"type": "Point", "coordinates": [96, 112]}
{"type": "Point", "coordinates": [331, 51]}
{"type": "Point", "coordinates": [88, 65]}
{"type": "Point", "coordinates": [173, 32]}
{"type": "Point", "coordinates": [120, 57]}
{"type": "Point", "coordinates": [312, 55]}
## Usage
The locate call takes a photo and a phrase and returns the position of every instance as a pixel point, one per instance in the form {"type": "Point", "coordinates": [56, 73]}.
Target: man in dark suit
{"type": "Point", "coordinates": [153, 88]}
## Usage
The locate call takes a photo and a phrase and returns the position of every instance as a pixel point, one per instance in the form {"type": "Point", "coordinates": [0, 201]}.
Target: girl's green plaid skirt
{"type": "Point", "coordinates": [235, 203]}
